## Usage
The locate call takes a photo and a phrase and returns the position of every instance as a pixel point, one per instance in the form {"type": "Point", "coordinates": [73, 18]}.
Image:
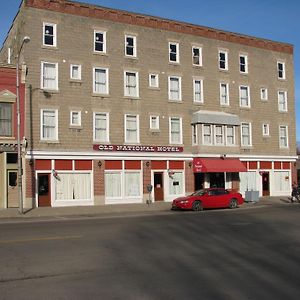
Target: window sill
{"type": "Point", "coordinates": [153, 88]}
{"type": "Point", "coordinates": [131, 57]}
{"type": "Point", "coordinates": [244, 73]}
{"type": "Point", "coordinates": [198, 66]}
{"type": "Point", "coordinates": [102, 96]}
{"type": "Point", "coordinates": [100, 53]}
{"type": "Point", "coordinates": [73, 80]}
{"type": "Point", "coordinates": [7, 138]}
{"type": "Point", "coordinates": [175, 101]}
{"type": "Point", "coordinates": [198, 103]}
{"type": "Point", "coordinates": [79, 127]}
{"type": "Point", "coordinates": [131, 98]}
{"type": "Point", "coordinates": [174, 63]}
{"type": "Point", "coordinates": [49, 47]}
{"type": "Point", "coordinates": [49, 141]}
{"type": "Point", "coordinates": [224, 70]}
{"type": "Point", "coordinates": [48, 92]}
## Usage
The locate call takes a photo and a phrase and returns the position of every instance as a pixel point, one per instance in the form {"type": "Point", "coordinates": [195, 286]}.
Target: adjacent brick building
{"type": "Point", "coordinates": [118, 101]}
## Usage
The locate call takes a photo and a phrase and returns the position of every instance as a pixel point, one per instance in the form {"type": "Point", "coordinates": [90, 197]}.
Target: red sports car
{"type": "Point", "coordinates": [209, 198]}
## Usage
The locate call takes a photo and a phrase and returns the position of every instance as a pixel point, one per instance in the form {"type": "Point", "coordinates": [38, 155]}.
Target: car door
{"type": "Point", "coordinates": [209, 199]}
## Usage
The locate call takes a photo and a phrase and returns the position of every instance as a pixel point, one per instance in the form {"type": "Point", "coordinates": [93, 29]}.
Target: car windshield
{"type": "Point", "coordinates": [199, 193]}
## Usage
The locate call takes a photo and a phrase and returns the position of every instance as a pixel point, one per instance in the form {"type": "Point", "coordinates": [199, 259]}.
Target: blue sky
{"type": "Point", "coordinates": [270, 19]}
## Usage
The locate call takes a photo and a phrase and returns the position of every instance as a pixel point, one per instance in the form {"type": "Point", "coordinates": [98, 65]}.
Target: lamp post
{"type": "Point", "coordinates": [26, 39]}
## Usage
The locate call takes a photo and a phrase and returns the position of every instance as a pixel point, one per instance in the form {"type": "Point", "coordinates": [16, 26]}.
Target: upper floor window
{"type": "Point", "coordinates": [154, 122]}
{"type": "Point", "coordinates": [75, 118]}
{"type": "Point", "coordinates": [194, 134]}
{"type": "Point", "coordinates": [100, 82]}
{"type": "Point", "coordinates": [100, 41]}
{"type": "Point", "coordinates": [223, 60]}
{"type": "Point", "coordinates": [243, 63]}
{"type": "Point", "coordinates": [174, 52]}
{"type": "Point", "coordinates": [175, 133]}
{"type": "Point", "coordinates": [224, 93]}
{"type": "Point", "coordinates": [197, 56]}
{"type": "Point", "coordinates": [6, 119]}
{"type": "Point", "coordinates": [49, 34]}
{"type": "Point", "coordinates": [198, 90]}
{"type": "Point", "coordinates": [49, 76]}
{"type": "Point", "coordinates": [246, 138]}
{"type": "Point", "coordinates": [101, 127]}
{"type": "Point", "coordinates": [264, 94]}
{"type": "Point", "coordinates": [283, 136]}
{"type": "Point", "coordinates": [175, 88]}
{"type": "Point", "coordinates": [153, 80]}
{"type": "Point", "coordinates": [207, 134]}
{"type": "Point", "coordinates": [131, 84]}
{"type": "Point", "coordinates": [219, 135]}
{"type": "Point", "coordinates": [75, 72]}
{"type": "Point", "coordinates": [281, 70]}
{"type": "Point", "coordinates": [49, 124]}
{"type": "Point", "coordinates": [230, 135]}
{"type": "Point", "coordinates": [282, 100]}
{"type": "Point", "coordinates": [244, 96]}
{"type": "Point", "coordinates": [132, 134]}
{"type": "Point", "coordinates": [265, 129]}
{"type": "Point", "coordinates": [130, 45]}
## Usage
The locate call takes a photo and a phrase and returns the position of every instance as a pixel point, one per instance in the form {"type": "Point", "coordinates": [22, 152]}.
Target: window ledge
{"type": "Point", "coordinates": [47, 91]}
{"type": "Point", "coordinates": [131, 98]}
{"type": "Point", "coordinates": [73, 80]}
{"type": "Point", "coordinates": [48, 47]}
{"type": "Point", "coordinates": [100, 53]}
{"type": "Point", "coordinates": [244, 73]}
{"type": "Point", "coordinates": [153, 88]}
{"type": "Point", "coordinates": [79, 127]}
{"type": "Point", "coordinates": [174, 63]}
{"type": "Point", "coordinates": [198, 66]}
{"type": "Point", "coordinates": [224, 70]}
{"type": "Point", "coordinates": [100, 95]}
{"type": "Point", "coordinates": [131, 57]}
{"type": "Point", "coordinates": [49, 141]}
{"type": "Point", "coordinates": [198, 103]}
{"type": "Point", "coordinates": [175, 101]}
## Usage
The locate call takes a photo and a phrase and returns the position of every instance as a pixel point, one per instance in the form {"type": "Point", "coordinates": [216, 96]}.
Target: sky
{"type": "Point", "coordinates": [269, 19]}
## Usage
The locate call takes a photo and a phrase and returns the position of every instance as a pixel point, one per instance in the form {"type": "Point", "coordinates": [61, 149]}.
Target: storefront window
{"type": "Point", "coordinates": [132, 184]}
{"type": "Point", "coordinates": [176, 183]}
{"type": "Point", "coordinates": [113, 185]}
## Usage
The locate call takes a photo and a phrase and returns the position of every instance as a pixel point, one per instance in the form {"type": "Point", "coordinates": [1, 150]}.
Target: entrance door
{"type": "Point", "coordinates": [266, 183]}
{"type": "Point", "coordinates": [158, 187]}
{"type": "Point", "coordinates": [12, 189]}
{"type": "Point", "coordinates": [199, 181]}
{"type": "Point", "coordinates": [217, 180]}
{"type": "Point", "coordinates": [44, 191]}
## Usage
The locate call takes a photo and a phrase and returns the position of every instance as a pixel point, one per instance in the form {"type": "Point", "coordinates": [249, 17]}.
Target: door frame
{"type": "Point", "coordinates": [37, 187]}
{"type": "Point", "coordinates": [263, 175]}
{"type": "Point", "coordinates": [162, 173]}
{"type": "Point", "coordinates": [6, 187]}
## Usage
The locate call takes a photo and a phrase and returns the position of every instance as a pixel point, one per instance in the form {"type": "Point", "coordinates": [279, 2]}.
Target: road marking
{"type": "Point", "coordinates": [50, 238]}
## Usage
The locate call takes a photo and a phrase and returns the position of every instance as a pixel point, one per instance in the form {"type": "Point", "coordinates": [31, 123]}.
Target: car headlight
{"type": "Point", "coordinates": [184, 201]}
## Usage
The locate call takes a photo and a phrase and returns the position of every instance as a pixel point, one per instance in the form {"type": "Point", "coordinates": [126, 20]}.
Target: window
{"type": "Point", "coordinates": [49, 34]}
{"type": "Point", "coordinates": [264, 94]}
{"type": "Point", "coordinates": [132, 183]}
{"type": "Point", "coordinates": [9, 55]}
{"type": "Point", "coordinates": [175, 125]}
{"type": "Point", "coordinates": [154, 122]}
{"type": "Point", "coordinates": [75, 72]}
{"type": "Point", "coordinates": [175, 88]}
{"type": "Point", "coordinates": [198, 90]}
{"type": "Point", "coordinates": [49, 124]}
{"type": "Point", "coordinates": [207, 134]}
{"type": "Point", "coordinates": [244, 96]}
{"type": "Point", "coordinates": [176, 184]}
{"type": "Point", "coordinates": [265, 129]}
{"type": "Point", "coordinates": [282, 100]}
{"type": "Point", "coordinates": [243, 64]}
{"type": "Point", "coordinates": [100, 82]}
{"type": "Point", "coordinates": [246, 139]}
{"type": "Point", "coordinates": [113, 184]}
{"type": "Point", "coordinates": [101, 127]}
{"type": "Point", "coordinates": [230, 136]}
{"type": "Point", "coordinates": [281, 70]}
{"type": "Point", "coordinates": [130, 45]}
{"type": "Point", "coordinates": [75, 118]}
{"type": "Point", "coordinates": [6, 119]}
{"type": "Point", "coordinates": [283, 137]}
{"type": "Point", "coordinates": [49, 76]}
{"type": "Point", "coordinates": [194, 134]}
{"type": "Point", "coordinates": [132, 134]}
{"type": "Point", "coordinates": [131, 87]}
{"type": "Point", "coordinates": [223, 60]}
{"type": "Point", "coordinates": [100, 41]}
{"type": "Point", "coordinates": [197, 56]}
{"type": "Point", "coordinates": [224, 93]}
{"type": "Point", "coordinates": [219, 135]}
{"type": "Point", "coordinates": [174, 52]}
{"type": "Point", "coordinates": [153, 80]}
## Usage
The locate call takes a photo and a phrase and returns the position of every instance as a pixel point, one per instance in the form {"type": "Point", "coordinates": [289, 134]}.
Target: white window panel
{"type": "Point", "coordinates": [243, 63]}
{"type": "Point", "coordinates": [265, 129]}
{"type": "Point", "coordinates": [219, 135]}
{"type": "Point", "coordinates": [230, 135]}
{"type": "Point", "coordinates": [154, 122]}
{"type": "Point", "coordinates": [132, 134]}
{"type": "Point", "coordinates": [49, 124]}
{"type": "Point", "coordinates": [223, 60]}
{"type": "Point", "coordinates": [75, 72]}
{"type": "Point", "coordinates": [130, 45]}
{"type": "Point", "coordinates": [224, 93]}
{"type": "Point", "coordinates": [49, 76]}
{"type": "Point", "coordinates": [131, 84]}
{"type": "Point", "coordinates": [281, 69]}
{"type": "Point", "coordinates": [174, 52]}
{"type": "Point", "coordinates": [75, 118]}
{"type": "Point", "coordinates": [175, 127]}
{"type": "Point", "coordinates": [283, 136]}
{"type": "Point", "coordinates": [100, 41]}
{"type": "Point", "coordinates": [175, 88]}
{"type": "Point", "coordinates": [194, 134]}
{"type": "Point", "coordinates": [282, 101]}
{"type": "Point", "coordinates": [244, 96]}
{"type": "Point", "coordinates": [113, 184]}
{"type": "Point", "coordinates": [176, 182]}
{"type": "Point", "coordinates": [207, 134]}
{"type": "Point", "coordinates": [100, 81]}
{"type": "Point", "coordinates": [49, 34]}
{"type": "Point", "coordinates": [198, 90]}
{"type": "Point", "coordinates": [6, 119]}
{"type": "Point", "coordinates": [197, 56]}
{"type": "Point", "coordinates": [153, 80]}
{"type": "Point", "coordinates": [246, 138]}
{"type": "Point", "coordinates": [264, 94]}
{"type": "Point", "coordinates": [132, 183]}
{"type": "Point", "coordinates": [101, 127]}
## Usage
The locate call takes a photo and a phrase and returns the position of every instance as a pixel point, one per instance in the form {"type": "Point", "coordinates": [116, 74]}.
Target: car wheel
{"type": "Point", "coordinates": [197, 206]}
{"type": "Point", "coordinates": [233, 203]}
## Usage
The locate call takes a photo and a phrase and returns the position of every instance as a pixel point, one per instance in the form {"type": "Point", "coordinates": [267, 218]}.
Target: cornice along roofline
{"type": "Point", "coordinates": [99, 12]}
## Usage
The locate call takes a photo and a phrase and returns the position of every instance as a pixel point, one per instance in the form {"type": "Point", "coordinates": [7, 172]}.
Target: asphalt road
{"type": "Point", "coordinates": [219, 254]}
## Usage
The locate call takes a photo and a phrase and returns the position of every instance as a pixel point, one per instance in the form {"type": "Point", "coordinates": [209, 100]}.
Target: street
{"type": "Point", "coordinates": [216, 254]}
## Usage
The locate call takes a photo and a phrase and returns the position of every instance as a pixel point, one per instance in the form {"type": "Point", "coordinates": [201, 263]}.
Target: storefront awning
{"type": "Point", "coordinates": [215, 117]}
{"type": "Point", "coordinates": [213, 165]}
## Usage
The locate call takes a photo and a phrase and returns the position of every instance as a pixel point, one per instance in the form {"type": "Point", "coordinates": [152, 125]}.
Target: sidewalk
{"type": "Point", "coordinates": [119, 209]}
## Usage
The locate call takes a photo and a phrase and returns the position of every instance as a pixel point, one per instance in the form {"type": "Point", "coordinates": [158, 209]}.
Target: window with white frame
{"type": "Point", "coordinates": [101, 127]}
{"type": "Point", "coordinates": [176, 184]}
{"type": "Point", "coordinates": [223, 60]}
{"type": "Point", "coordinates": [198, 90]}
{"type": "Point", "coordinates": [283, 136]}
{"type": "Point", "coordinates": [282, 100]}
{"type": "Point", "coordinates": [175, 127]}
{"type": "Point", "coordinates": [49, 124]}
{"type": "Point", "coordinates": [174, 52]}
{"type": "Point", "coordinates": [75, 72]}
{"type": "Point", "coordinates": [154, 122]}
{"type": "Point", "coordinates": [9, 55]}
{"type": "Point", "coordinates": [153, 80]}
{"type": "Point", "coordinates": [131, 84]}
{"type": "Point", "coordinates": [224, 93]}
{"type": "Point", "coordinates": [175, 88]}
{"type": "Point", "coordinates": [100, 81]}
{"type": "Point", "coordinates": [246, 138]}
{"type": "Point", "coordinates": [75, 118]}
{"type": "Point", "coordinates": [197, 56]}
{"type": "Point", "coordinates": [6, 119]}
{"type": "Point", "coordinates": [219, 135]}
{"type": "Point", "coordinates": [49, 76]}
{"type": "Point", "coordinates": [264, 93]}
{"type": "Point", "coordinates": [194, 134]}
{"type": "Point", "coordinates": [244, 96]}
{"type": "Point", "coordinates": [132, 134]}
{"type": "Point", "coordinates": [130, 45]}
{"type": "Point", "coordinates": [207, 134]}
{"type": "Point", "coordinates": [49, 34]}
{"type": "Point", "coordinates": [281, 69]}
{"type": "Point", "coordinates": [265, 129]}
{"type": "Point", "coordinates": [113, 184]}
{"type": "Point", "coordinates": [230, 135]}
{"type": "Point", "coordinates": [243, 63]}
{"type": "Point", "coordinates": [132, 183]}
{"type": "Point", "coordinates": [100, 41]}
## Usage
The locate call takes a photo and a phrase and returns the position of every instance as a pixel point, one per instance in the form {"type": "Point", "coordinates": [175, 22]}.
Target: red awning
{"type": "Point", "coordinates": [213, 165]}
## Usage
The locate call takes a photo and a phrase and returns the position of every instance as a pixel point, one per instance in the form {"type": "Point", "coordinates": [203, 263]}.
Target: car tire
{"type": "Point", "coordinates": [233, 203]}
{"type": "Point", "coordinates": [197, 206]}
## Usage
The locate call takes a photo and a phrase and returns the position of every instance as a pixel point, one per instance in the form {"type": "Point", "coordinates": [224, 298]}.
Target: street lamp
{"type": "Point", "coordinates": [26, 39]}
